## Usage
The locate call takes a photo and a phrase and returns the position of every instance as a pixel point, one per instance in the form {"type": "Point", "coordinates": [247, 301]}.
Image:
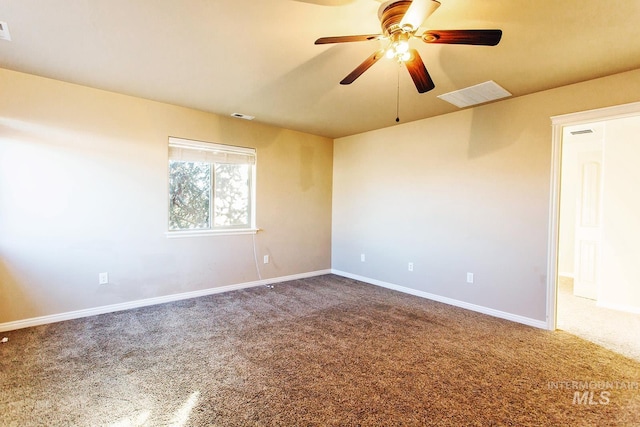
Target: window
{"type": "Point", "coordinates": [211, 188]}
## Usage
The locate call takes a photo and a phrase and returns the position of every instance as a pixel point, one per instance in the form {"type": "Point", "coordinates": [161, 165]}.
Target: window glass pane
{"type": "Point", "coordinates": [189, 195]}
{"type": "Point", "coordinates": [232, 207]}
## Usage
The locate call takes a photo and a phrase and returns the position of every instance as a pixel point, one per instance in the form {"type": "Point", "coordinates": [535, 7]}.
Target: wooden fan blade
{"type": "Point", "coordinates": [362, 67]}
{"type": "Point", "coordinates": [418, 12]}
{"type": "Point", "coordinates": [418, 71]}
{"type": "Point", "coordinates": [473, 37]}
{"type": "Point", "coordinates": [345, 39]}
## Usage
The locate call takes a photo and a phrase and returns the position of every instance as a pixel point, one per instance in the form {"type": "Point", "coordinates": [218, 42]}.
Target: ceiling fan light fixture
{"type": "Point", "coordinates": [399, 51]}
{"type": "Point", "coordinates": [399, 47]}
{"type": "Point", "coordinates": [402, 46]}
{"type": "Point", "coordinates": [390, 53]}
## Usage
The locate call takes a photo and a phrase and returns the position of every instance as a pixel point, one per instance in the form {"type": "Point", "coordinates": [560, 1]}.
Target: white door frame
{"type": "Point", "coordinates": [558, 123]}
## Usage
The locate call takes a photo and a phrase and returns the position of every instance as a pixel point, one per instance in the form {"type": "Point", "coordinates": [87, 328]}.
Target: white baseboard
{"type": "Point", "coordinates": [450, 301]}
{"type": "Point", "coordinates": [43, 320]}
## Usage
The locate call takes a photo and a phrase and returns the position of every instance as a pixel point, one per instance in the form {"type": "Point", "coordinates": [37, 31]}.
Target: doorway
{"type": "Point", "coordinates": [594, 284]}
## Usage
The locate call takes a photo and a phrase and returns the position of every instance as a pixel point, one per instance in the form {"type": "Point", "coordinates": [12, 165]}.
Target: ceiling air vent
{"type": "Point", "coordinates": [474, 95]}
{"type": "Point", "coordinates": [4, 31]}
{"type": "Point", "coordinates": [581, 131]}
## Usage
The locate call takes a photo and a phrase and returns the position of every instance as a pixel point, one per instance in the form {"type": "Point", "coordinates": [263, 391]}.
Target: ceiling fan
{"type": "Point", "coordinates": [400, 21]}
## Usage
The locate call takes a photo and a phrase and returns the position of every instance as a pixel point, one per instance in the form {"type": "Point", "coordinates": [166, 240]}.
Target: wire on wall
{"type": "Point", "coordinates": [255, 257]}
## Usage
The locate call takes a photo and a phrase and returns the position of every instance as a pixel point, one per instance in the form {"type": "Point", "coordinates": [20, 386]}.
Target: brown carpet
{"type": "Point", "coordinates": [320, 351]}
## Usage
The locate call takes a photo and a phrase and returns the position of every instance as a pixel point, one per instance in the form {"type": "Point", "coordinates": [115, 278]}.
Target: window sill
{"type": "Point", "coordinates": [205, 233]}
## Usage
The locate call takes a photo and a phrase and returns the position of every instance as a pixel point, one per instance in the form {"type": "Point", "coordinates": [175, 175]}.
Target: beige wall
{"type": "Point", "coordinates": [83, 189]}
{"type": "Point", "coordinates": [463, 192]}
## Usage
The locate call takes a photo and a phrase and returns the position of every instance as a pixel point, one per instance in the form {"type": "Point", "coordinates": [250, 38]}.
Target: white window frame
{"type": "Point", "coordinates": [216, 150]}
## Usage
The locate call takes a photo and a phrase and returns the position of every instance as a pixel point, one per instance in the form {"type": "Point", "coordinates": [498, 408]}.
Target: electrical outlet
{"type": "Point", "coordinates": [410, 266]}
{"type": "Point", "coordinates": [265, 259]}
{"type": "Point", "coordinates": [103, 278]}
{"type": "Point", "coordinates": [362, 257]}
{"type": "Point", "coordinates": [469, 277]}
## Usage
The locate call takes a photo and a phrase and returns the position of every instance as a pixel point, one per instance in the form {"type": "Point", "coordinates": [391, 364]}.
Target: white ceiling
{"type": "Point", "coordinates": [258, 57]}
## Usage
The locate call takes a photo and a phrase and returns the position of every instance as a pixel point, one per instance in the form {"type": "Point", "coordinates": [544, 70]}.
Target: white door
{"type": "Point", "coordinates": [588, 221]}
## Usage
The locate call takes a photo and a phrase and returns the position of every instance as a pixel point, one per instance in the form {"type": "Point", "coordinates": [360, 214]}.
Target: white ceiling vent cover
{"type": "Point", "coordinates": [581, 131]}
{"type": "Point", "coordinates": [4, 31]}
{"type": "Point", "coordinates": [474, 95]}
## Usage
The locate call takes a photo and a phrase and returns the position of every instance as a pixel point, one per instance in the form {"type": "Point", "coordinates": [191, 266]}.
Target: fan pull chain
{"type": "Point", "coordinates": [398, 98]}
